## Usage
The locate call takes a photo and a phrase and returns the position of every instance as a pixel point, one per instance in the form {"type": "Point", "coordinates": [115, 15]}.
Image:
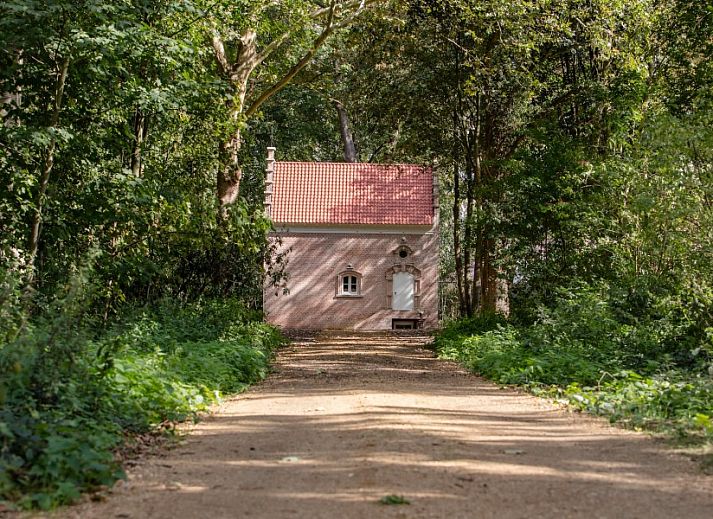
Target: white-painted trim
{"type": "Point", "coordinates": [356, 229]}
{"type": "Point", "coordinates": [340, 284]}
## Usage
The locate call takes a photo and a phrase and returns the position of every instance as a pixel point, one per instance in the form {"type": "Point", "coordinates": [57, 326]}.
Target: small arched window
{"type": "Point", "coordinates": [349, 283]}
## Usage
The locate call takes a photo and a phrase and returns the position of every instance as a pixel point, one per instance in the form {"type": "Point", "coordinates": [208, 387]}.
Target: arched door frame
{"type": "Point", "coordinates": [416, 284]}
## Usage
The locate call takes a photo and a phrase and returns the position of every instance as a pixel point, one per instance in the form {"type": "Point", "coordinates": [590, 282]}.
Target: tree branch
{"type": "Point", "coordinates": [219, 51]}
{"type": "Point", "coordinates": [330, 27]}
{"type": "Point", "coordinates": [274, 45]}
{"type": "Point", "coordinates": [302, 63]}
{"type": "Point", "coordinates": [46, 168]}
{"type": "Point", "coordinates": [328, 10]}
{"type": "Point", "coordinates": [200, 16]}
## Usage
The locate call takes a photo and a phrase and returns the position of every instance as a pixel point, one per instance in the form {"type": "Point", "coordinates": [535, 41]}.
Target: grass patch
{"type": "Point", "coordinates": [393, 499]}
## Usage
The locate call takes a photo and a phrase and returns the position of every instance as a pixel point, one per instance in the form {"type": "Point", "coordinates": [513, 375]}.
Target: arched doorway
{"type": "Point", "coordinates": [404, 291]}
{"type": "Point", "coordinates": [403, 288]}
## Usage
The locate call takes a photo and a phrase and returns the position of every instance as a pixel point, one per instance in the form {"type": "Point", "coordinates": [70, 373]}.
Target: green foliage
{"type": "Point", "coordinates": [590, 352]}
{"type": "Point", "coordinates": [393, 499]}
{"type": "Point", "coordinates": [137, 136]}
{"type": "Point", "coordinates": [673, 402]}
{"type": "Point", "coordinates": [504, 356]}
{"type": "Point", "coordinates": [476, 325]}
{"type": "Point", "coordinates": [69, 391]}
{"type": "Point", "coordinates": [578, 136]}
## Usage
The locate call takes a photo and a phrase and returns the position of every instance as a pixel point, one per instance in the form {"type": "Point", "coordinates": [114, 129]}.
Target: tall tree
{"type": "Point", "coordinates": [255, 32]}
{"type": "Point", "coordinates": [113, 147]}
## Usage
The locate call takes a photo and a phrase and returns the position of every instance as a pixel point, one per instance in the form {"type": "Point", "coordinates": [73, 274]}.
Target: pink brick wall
{"type": "Point", "coordinates": [316, 260]}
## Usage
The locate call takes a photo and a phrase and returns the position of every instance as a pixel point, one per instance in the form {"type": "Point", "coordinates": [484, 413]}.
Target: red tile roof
{"type": "Point", "coordinates": [347, 193]}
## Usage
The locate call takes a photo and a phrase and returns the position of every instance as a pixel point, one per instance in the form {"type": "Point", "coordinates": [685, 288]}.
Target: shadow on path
{"type": "Point", "coordinates": [347, 419]}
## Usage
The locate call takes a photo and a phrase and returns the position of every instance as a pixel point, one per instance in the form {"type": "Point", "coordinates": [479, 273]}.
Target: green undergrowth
{"type": "Point", "coordinates": [72, 392]}
{"type": "Point", "coordinates": [646, 375]}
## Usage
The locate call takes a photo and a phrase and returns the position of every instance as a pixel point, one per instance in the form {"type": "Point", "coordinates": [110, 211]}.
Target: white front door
{"type": "Point", "coordinates": [403, 291]}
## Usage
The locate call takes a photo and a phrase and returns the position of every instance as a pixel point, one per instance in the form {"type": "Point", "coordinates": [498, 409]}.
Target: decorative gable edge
{"type": "Point", "coordinates": [269, 180]}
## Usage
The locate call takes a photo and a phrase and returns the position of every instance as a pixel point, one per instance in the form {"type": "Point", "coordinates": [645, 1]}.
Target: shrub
{"type": "Point", "coordinates": [591, 350]}
{"type": "Point", "coordinates": [69, 391]}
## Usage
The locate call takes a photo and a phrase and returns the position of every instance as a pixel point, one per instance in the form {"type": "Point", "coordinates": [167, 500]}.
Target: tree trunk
{"type": "Point", "coordinates": [140, 130]}
{"type": "Point", "coordinates": [47, 165]}
{"type": "Point", "coordinates": [456, 238]}
{"type": "Point", "coordinates": [228, 179]}
{"type": "Point", "coordinates": [488, 278]}
{"type": "Point", "coordinates": [456, 217]}
{"type": "Point", "coordinates": [350, 154]}
{"type": "Point", "coordinates": [461, 268]}
{"type": "Point", "coordinates": [468, 239]}
{"type": "Point", "coordinates": [477, 272]}
{"type": "Point", "coordinates": [228, 184]}
{"type": "Point", "coordinates": [238, 72]}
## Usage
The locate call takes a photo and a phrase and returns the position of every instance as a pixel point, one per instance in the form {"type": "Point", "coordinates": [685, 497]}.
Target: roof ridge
{"type": "Point", "coordinates": [353, 163]}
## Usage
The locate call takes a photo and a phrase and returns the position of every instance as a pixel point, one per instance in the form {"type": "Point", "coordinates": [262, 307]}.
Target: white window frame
{"type": "Point", "coordinates": [352, 280]}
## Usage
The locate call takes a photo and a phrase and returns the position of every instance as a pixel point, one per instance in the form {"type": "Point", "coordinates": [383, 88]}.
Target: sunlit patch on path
{"type": "Point", "coordinates": [346, 420]}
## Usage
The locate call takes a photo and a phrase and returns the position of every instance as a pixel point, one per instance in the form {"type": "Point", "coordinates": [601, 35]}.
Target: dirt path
{"type": "Point", "coordinates": [345, 421]}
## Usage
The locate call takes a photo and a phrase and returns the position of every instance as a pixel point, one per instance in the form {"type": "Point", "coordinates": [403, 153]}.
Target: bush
{"type": "Point", "coordinates": [676, 402]}
{"type": "Point", "coordinates": [651, 369]}
{"type": "Point", "coordinates": [69, 391]}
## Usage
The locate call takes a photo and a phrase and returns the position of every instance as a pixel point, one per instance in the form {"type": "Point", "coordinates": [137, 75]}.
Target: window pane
{"type": "Point", "coordinates": [354, 284]}
{"type": "Point", "coordinates": [345, 284]}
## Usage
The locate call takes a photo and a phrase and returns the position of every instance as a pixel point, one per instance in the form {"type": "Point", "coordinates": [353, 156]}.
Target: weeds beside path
{"type": "Point", "coordinates": [346, 423]}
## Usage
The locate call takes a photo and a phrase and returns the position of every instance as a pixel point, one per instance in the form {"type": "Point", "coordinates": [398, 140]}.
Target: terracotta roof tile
{"type": "Point", "coordinates": [346, 193]}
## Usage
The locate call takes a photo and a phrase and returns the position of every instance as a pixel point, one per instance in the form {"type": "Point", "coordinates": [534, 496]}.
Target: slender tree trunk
{"type": "Point", "coordinates": [456, 237]}
{"type": "Point", "coordinates": [477, 272]}
{"type": "Point", "coordinates": [488, 278]}
{"type": "Point", "coordinates": [350, 154]}
{"type": "Point", "coordinates": [485, 178]}
{"type": "Point", "coordinates": [47, 164]}
{"type": "Point", "coordinates": [461, 267]}
{"type": "Point", "coordinates": [140, 131]}
{"type": "Point", "coordinates": [468, 238]}
{"type": "Point", "coordinates": [456, 217]}
{"type": "Point", "coordinates": [476, 161]}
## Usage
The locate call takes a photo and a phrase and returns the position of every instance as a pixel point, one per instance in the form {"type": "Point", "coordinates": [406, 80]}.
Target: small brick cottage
{"type": "Point", "coordinates": [362, 241]}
